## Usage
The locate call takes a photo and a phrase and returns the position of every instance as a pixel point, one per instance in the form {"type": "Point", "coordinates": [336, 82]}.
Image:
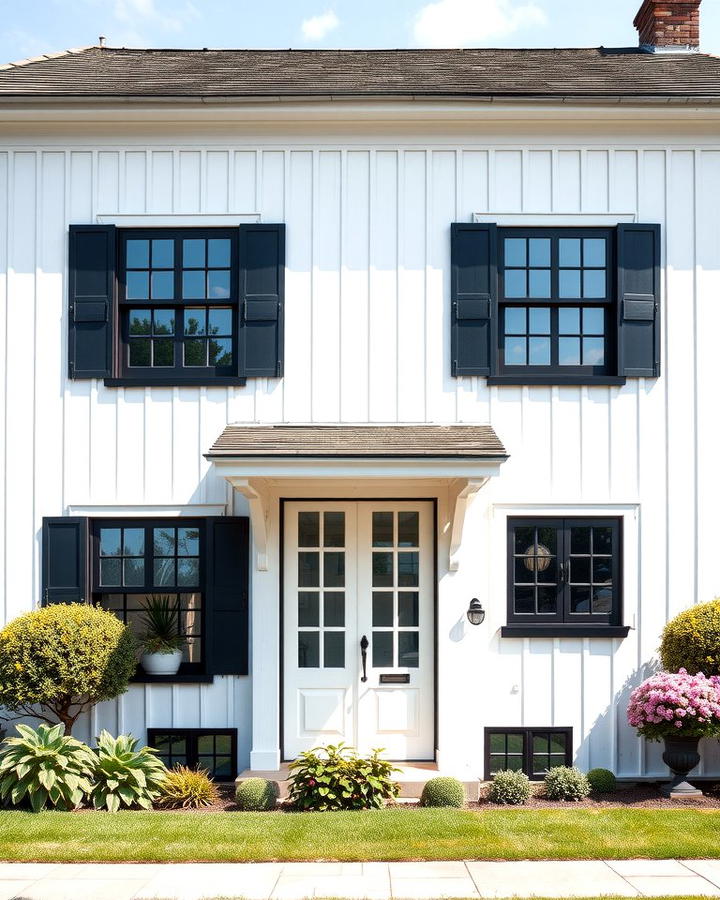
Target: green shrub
{"type": "Point", "coordinates": [443, 791]}
{"type": "Point", "coordinates": [691, 640]}
{"type": "Point", "coordinates": [510, 788]}
{"type": "Point", "coordinates": [45, 767]}
{"type": "Point", "coordinates": [59, 661]}
{"type": "Point", "coordinates": [257, 795]}
{"type": "Point", "coordinates": [125, 776]}
{"type": "Point", "coordinates": [602, 781]}
{"type": "Point", "coordinates": [566, 783]}
{"type": "Point", "coordinates": [185, 788]}
{"type": "Point", "coordinates": [335, 777]}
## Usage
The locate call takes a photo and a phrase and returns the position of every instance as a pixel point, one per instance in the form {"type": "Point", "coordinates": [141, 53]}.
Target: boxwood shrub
{"type": "Point", "coordinates": [691, 640]}
{"type": "Point", "coordinates": [566, 783]}
{"type": "Point", "coordinates": [257, 795]}
{"type": "Point", "coordinates": [602, 781]}
{"type": "Point", "coordinates": [443, 791]}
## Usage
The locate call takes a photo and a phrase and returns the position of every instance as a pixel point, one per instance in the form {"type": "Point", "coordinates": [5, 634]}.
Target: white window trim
{"type": "Point", "coordinates": [555, 220]}
{"type": "Point", "coordinates": [177, 220]}
{"type": "Point", "coordinates": [158, 511]}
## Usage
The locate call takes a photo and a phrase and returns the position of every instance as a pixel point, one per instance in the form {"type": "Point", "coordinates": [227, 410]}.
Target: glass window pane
{"type": "Point", "coordinates": [222, 767]}
{"type": "Point", "coordinates": [133, 572]}
{"type": "Point", "coordinates": [308, 569]}
{"type": "Point", "coordinates": [558, 743]}
{"type": "Point", "coordinates": [569, 320]}
{"type": "Point", "coordinates": [188, 571]}
{"type": "Point", "coordinates": [497, 743]}
{"type": "Point", "coordinates": [594, 283]}
{"type": "Point", "coordinates": [539, 351]}
{"type": "Point", "coordinates": [382, 529]}
{"type": "Point", "coordinates": [579, 570]}
{"type": "Point", "coordinates": [334, 609]}
{"type": "Point", "coordinates": [220, 321]}
{"type": "Point", "coordinates": [308, 609]}
{"type": "Point", "coordinates": [206, 745]}
{"type": "Point", "coordinates": [308, 649]}
{"type": "Point", "coordinates": [218, 253]}
{"type": "Point", "coordinates": [569, 283]}
{"type": "Point", "coordinates": [382, 569]}
{"type": "Point", "coordinates": [110, 541]}
{"type": "Point", "coordinates": [220, 351]}
{"type": "Point", "coordinates": [539, 252]}
{"type": "Point", "coordinates": [334, 569]}
{"type": "Point", "coordinates": [515, 320]}
{"type": "Point", "coordinates": [594, 252]}
{"type": "Point", "coordinates": [602, 600]}
{"type": "Point", "coordinates": [525, 570]}
{"type": "Point", "coordinates": [194, 253]}
{"type": "Point", "coordinates": [382, 609]}
{"type": "Point", "coordinates": [162, 285]}
{"type": "Point", "coordinates": [164, 572]}
{"type": "Point", "coordinates": [602, 570]}
{"type": "Point", "coordinates": [193, 285]}
{"type": "Point", "coordinates": [547, 600]}
{"type": "Point", "coordinates": [408, 569]}
{"type": "Point", "coordinates": [334, 650]}
{"type": "Point", "coordinates": [164, 321]}
{"type": "Point", "coordinates": [515, 351]}
{"type": "Point", "coordinates": [497, 763]}
{"type": "Point", "coordinates": [580, 539]}
{"type": "Point", "coordinates": [188, 542]}
{"type": "Point", "coordinates": [139, 321]}
{"type": "Point", "coordinates": [515, 743]}
{"type": "Point", "coordinates": [137, 254]}
{"type": "Point", "coordinates": [408, 649]}
{"type": "Point", "coordinates": [524, 600]}
{"type": "Point", "coordinates": [334, 529]}
{"type": "Point", "coordinates": [309, 529]}
{"type": "Point", "coordinates": [195, 352]}
{"type": "Point", "coordinates": [139, 352]}
{"type": "Point", "coordinates": [579, 600]}
{"type": "Point", "coordinates": [541, 743]}
{"type": "Point", "coordinates": [163, 353]}
{"type": "Point", "coordinates": [594, 351]}
{"type": "Point", "coordinates": [110, 571]}
{"type": "Point", "coordinates": [136, 285]}
{"type": "Point", "coordinates": [164, 541]}
{"type": "Point", "coordinates": [547, 570]}
{"type": "Point", "coordinates": [515, 252]}
{"type": "Point", "coordinates": [547, 539]}
{"type": "Point", "coordinates": [602, 539]}
{"type": "Point", "coordinates": [133, 541]}
{"type": "Point", "coordinates": [524, 538]}
{"type": "Point", "coordinates": [569, 351]}
{"type": "Point", "coordinates": [163, 253]}
{"type": "Point", "coordinates": [194, 322]}
{"type": "Point", "coordinates": [408, 529]}
{"type": "Point", "coordinates": [569, 252]}
{"type": "Point", "coordinates": [219, 284]}
{"type": "Point", "coordinates": [515, 283]}
{"type": "Point", "coordinates": [223, 743]}
{"type": "Point", "coordinates": [540, 320]}
{"type": "Point", "coordinates": [408, 608]}
{"type": "Point", "coordinates": [540, 764]}
{"type": "Point", "coordinates": [382, 649]}
{"type": "Point", "coordinates": [539, 283]}
{"type": "Point", "coordinates": [593, 320]}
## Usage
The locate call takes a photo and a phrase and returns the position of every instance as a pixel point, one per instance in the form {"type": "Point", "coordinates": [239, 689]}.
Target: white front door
{"type": "Point", "coordinates": [354, 571]}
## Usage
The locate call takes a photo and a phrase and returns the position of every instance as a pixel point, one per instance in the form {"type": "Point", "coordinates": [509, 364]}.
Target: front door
{"type": "Point", "coordinates": [358, 627]}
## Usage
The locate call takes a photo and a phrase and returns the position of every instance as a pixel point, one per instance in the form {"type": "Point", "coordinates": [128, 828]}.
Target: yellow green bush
{"type": "Point", "coordinates": [692, 640]}
{"type": "Point", "coordinates": [59, 661]}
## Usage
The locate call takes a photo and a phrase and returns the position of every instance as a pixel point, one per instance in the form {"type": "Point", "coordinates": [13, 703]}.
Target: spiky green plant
{"type": "Point", "coordinates": [186, 788]}
{"type": "Point", "coordinates": [160, 622]}
{"type": "Point", "coordinates": [45, 766]}
{"type": "Point", "coordinates": [125, 776]}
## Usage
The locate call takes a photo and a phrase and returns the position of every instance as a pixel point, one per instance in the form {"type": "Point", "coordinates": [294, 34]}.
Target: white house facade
{"type": "Point", "coordinates": [337, 347]}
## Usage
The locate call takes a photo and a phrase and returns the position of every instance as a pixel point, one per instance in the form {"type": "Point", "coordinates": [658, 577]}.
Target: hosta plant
{"type": "Point", "coordinates": [186, 788]}
{"type": "Point", "coordinates": [45, 767]}
{"type": "Point", "coordinates": [125, 776]}
{"type": "Point", "coordinates": [335, 777]}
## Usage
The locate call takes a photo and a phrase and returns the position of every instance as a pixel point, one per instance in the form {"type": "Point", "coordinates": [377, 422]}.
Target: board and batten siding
{"type": "Point", "coordinates": [367, 340]}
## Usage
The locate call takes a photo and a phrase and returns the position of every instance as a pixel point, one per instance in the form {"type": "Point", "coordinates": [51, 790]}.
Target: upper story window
{"type": "Point", "coordinates": [555, 305]}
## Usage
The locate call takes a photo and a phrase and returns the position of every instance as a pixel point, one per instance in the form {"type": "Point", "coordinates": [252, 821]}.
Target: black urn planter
{"type": "Point", "coordinates": [681, 756]}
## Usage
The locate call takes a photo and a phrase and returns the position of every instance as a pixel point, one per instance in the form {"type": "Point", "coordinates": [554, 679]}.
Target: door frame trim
{"type": "Point", "coordinates": [281, 600]}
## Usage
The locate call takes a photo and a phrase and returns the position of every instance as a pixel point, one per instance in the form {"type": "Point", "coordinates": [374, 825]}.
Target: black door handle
{"type": "Point", "coordinates": [364, 644]}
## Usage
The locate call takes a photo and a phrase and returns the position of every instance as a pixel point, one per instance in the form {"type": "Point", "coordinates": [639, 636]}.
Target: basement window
{"type": "Point", "coordinates": [529, 750]}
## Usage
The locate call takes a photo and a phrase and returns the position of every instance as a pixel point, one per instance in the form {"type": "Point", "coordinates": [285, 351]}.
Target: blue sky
{"type": "Point", "coordinates": [31, 27]}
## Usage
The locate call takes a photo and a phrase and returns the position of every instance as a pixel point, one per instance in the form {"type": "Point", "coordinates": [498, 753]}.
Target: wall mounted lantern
{"type": "Point", "coordinates": [475, 613]}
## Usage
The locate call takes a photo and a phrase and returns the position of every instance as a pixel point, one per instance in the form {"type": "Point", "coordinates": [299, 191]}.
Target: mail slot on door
{"type": "Point", "coordinates": [395, 678]}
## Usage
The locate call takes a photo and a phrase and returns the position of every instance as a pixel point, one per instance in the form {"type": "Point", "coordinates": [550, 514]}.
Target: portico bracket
{"type": "Point", "coordinates": [258, 518]}
{"type": "Point", "coordinates": [466, 491]}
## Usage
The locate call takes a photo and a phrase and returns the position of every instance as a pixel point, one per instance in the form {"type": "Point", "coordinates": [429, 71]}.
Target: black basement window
{"type": "Point", "coordinates": [213, 749]}
{"type": "Point", "coordinates": [529, 750]}
{"type": "Point", "coordinates": [564, 577]}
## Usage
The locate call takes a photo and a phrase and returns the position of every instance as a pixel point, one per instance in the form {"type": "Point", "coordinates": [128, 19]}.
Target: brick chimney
{"type": "Point", "coordinates": [669, 25]}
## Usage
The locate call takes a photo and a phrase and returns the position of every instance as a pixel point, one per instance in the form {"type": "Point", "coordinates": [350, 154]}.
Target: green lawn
{"type": "Point", "coordinates": [391, 834]}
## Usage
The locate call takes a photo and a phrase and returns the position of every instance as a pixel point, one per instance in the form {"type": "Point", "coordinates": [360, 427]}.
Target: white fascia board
{"type": "Point", "coordinates": [175, 220]}
{"type": "Point", "coordinates": [385, 468]}
{"type": "Point", "coordinates": [121, 511]}
{"type": "Point", "coordinates": [559, 220]}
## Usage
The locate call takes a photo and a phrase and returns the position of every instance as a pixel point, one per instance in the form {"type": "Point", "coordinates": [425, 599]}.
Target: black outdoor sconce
{"type": "Point", "coordinates": [475, 613]}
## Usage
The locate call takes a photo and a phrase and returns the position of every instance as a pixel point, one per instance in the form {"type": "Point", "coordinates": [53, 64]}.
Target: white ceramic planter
{"type": "Point", "coordinates": [161, 663]}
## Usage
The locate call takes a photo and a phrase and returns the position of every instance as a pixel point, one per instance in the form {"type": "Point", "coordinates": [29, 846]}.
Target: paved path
{"type": "Point", "coordinates": [374, 881]}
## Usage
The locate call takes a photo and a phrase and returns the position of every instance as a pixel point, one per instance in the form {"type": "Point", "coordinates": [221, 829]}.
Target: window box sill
{"type": "Point", "coordinates": [181, 678]}
{"type": "Point", "coordinates": [545, 631]}
{"type": "Point", "coordinates": [598, 380]}
{"type": "Point", "coordinates": [174, 382]}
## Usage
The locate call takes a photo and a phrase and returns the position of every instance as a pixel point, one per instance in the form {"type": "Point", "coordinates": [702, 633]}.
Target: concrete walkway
{"type": "Point", "coordinates": [375, 881]}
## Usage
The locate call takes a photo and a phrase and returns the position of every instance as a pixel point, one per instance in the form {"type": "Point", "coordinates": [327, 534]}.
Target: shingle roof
{"type": "Point", "coordinates": [361, 441]}
{"type": "Point", "coordinates": [582, 73]}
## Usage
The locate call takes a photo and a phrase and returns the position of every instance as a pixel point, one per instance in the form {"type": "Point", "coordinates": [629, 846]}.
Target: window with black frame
{"type": "Point", "coordinates": [556, 301]}
{"type": "Point", "coordinates": [178, 300]}
{"type": "Point", "coordinates": [529, 750]}
{"type": "Point", "coordinates": [563, 572]}
{"type": "Point", "coordinates": [212, 749]}
{"type": "Point", "coordinates": [135, 560]}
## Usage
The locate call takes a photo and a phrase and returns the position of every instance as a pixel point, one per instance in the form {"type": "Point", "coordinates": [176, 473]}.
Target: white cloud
{"type": "Point", "coordinates": [463, 23]}
{"type": "Point", "coordinates": [144, 12]}
{"type": "Point", "coordinates": [317, 27]}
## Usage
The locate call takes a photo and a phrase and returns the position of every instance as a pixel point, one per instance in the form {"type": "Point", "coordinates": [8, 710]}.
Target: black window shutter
{"type": "Point", "coordinates": [474, 298]}
{"type": "Point", "coordinates": [64, 560]}
{"type": "Point", "coordinates": [638, 259]}
{"type": "Point", "coordinates": [262, 298]}
{"type": "Point", "coordinates": [92, 281]}
{"type": "Point", "coordinates": [226, 609]}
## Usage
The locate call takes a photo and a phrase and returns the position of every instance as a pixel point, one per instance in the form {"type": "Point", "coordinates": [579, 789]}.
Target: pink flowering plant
{"type": "Point", "coordinates": [668, 705]}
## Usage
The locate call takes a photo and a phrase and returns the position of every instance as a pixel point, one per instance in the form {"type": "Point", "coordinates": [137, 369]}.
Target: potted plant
{"type": "Point", "coordinates": [678, 709]}
{"type": "Point", "coordinates": [162, 643]}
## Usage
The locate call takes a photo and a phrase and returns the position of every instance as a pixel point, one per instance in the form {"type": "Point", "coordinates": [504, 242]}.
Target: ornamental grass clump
{"type": "Point", "coordinates": [186, 788]}
{"type": "Point", "coordinates": [510, 788]}
{"type": "Point", "coordinates": [675, 705]}
{"type": "Point", "coordinates": [566, 783]}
